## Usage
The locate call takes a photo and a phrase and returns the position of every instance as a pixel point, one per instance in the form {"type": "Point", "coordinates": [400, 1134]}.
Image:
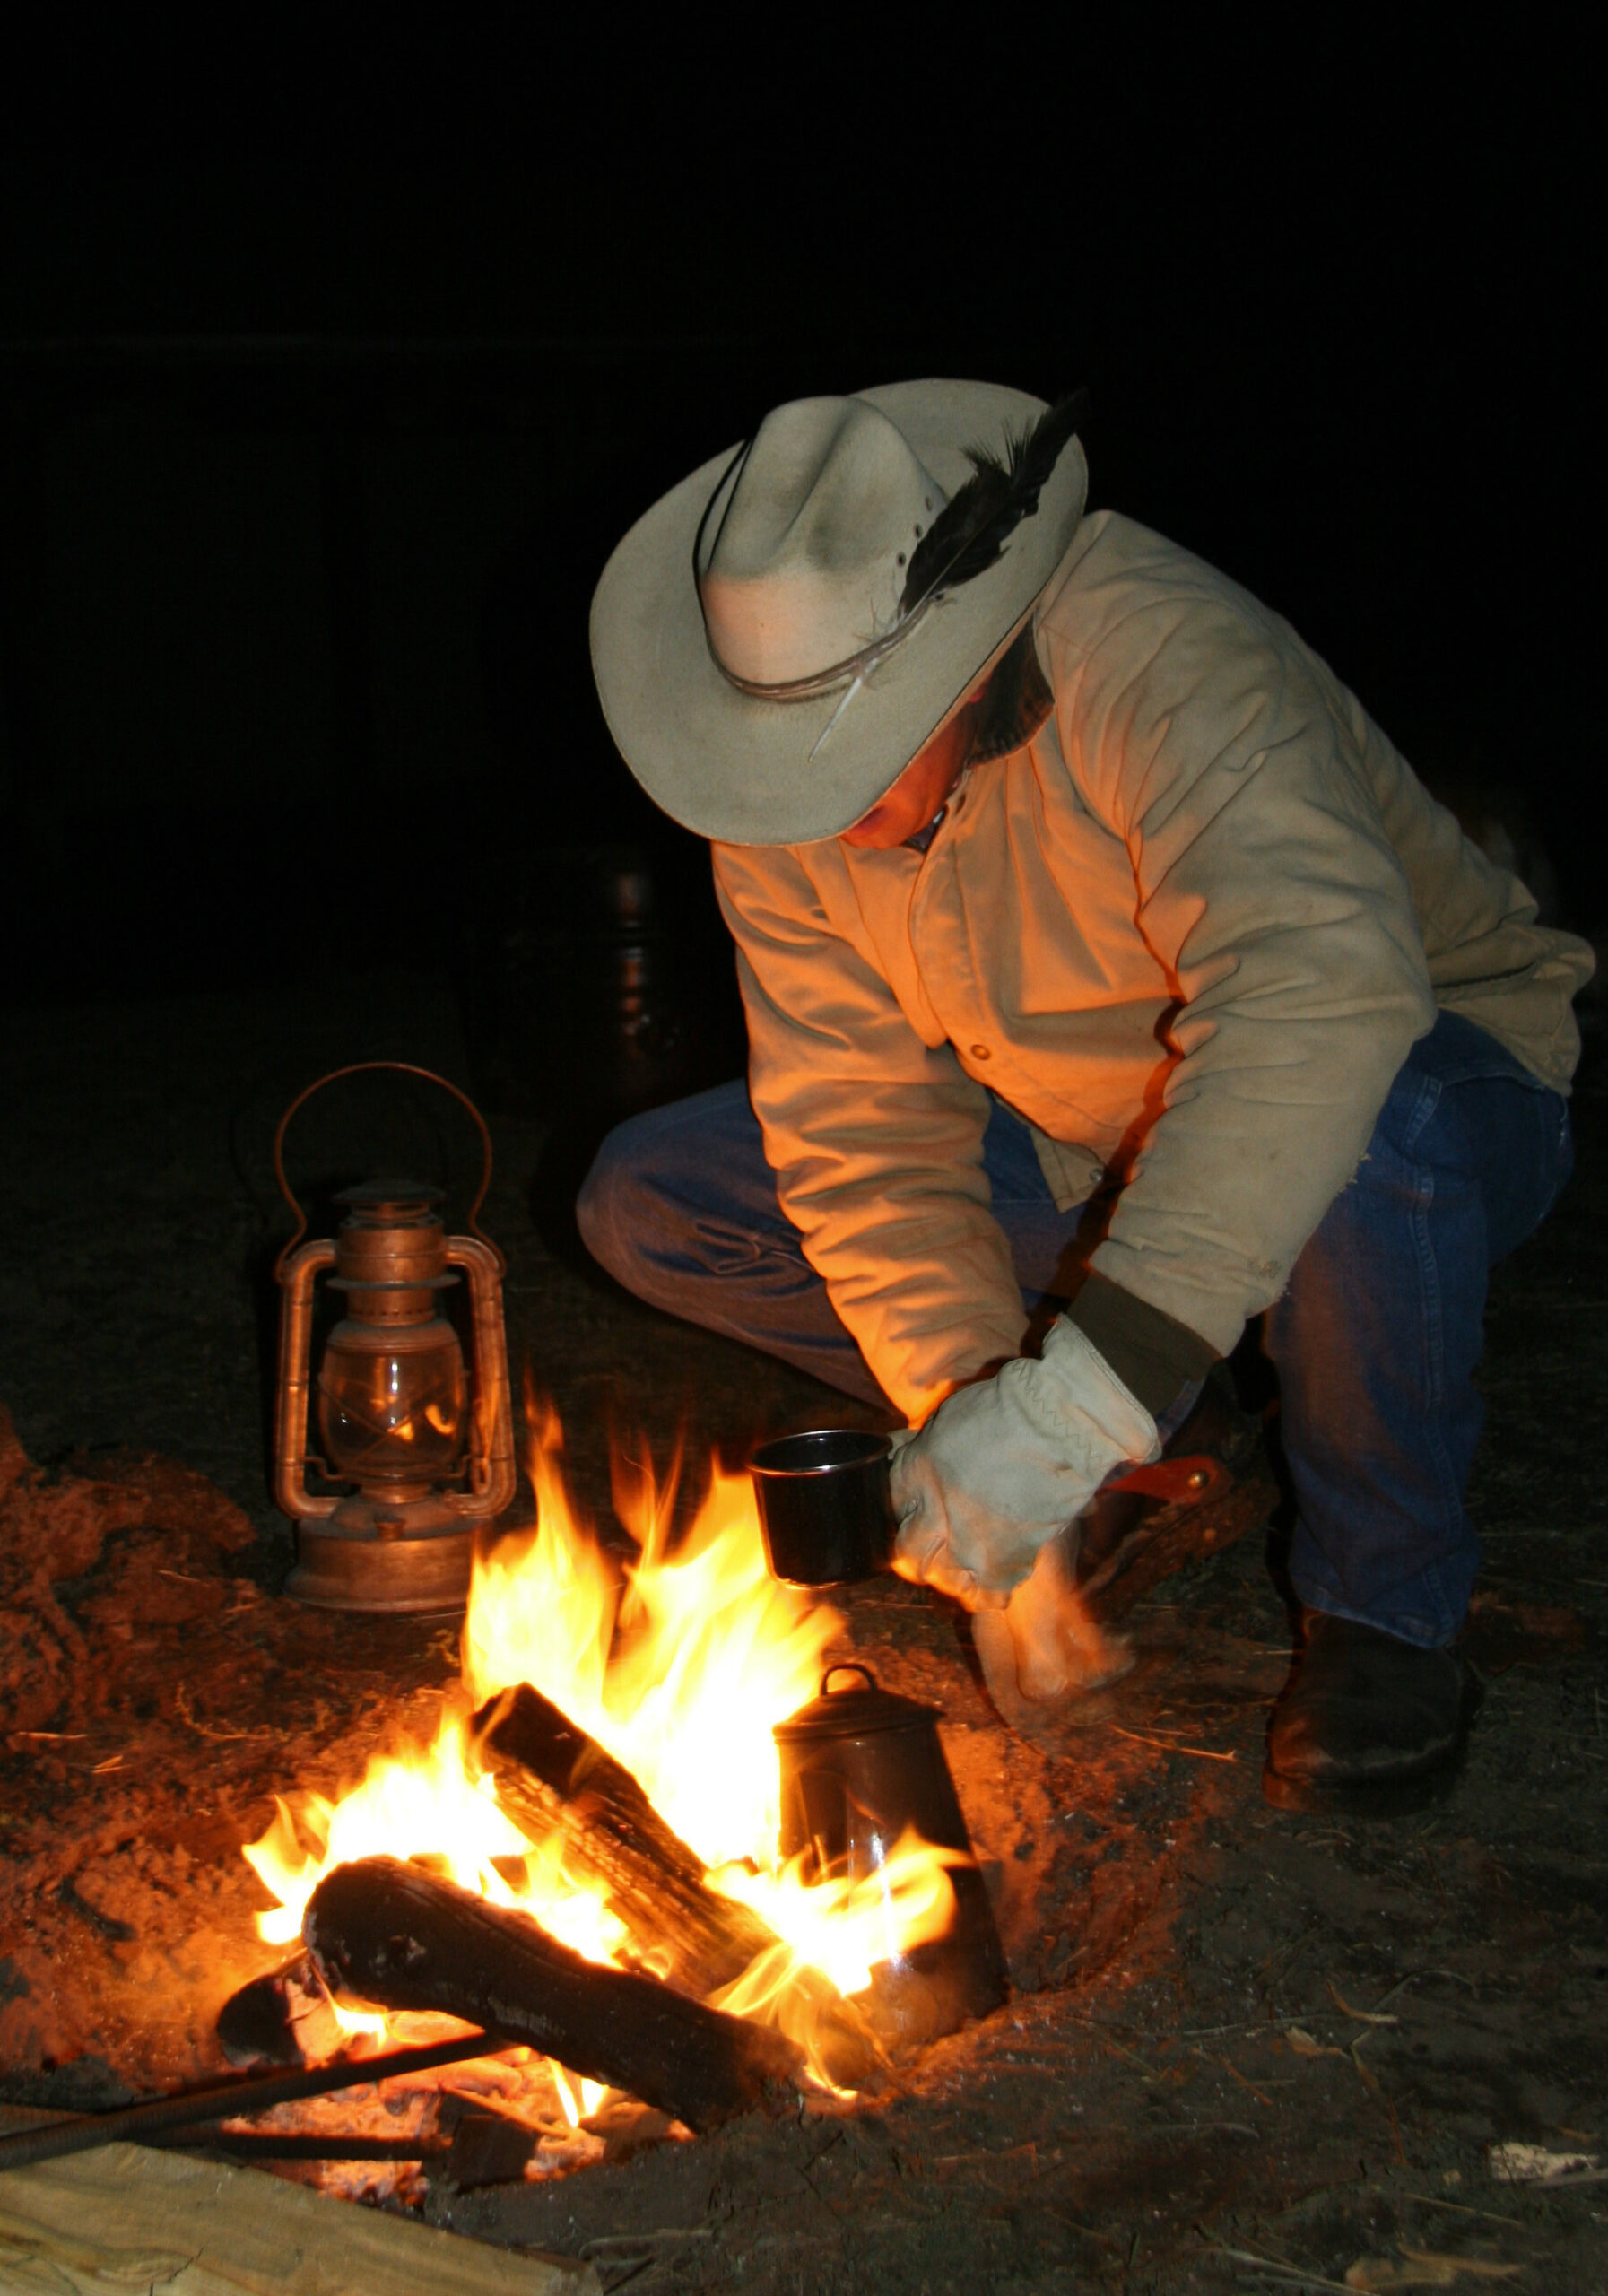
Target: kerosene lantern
{"type": "Point", "coordinates": [425, 1442]}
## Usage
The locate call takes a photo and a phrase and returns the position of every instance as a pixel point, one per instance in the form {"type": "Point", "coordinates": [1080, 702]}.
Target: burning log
{"type": "Point", "coordinates": [395, 1934]}
{"type": "Point", "coordinates": [553, 1776]}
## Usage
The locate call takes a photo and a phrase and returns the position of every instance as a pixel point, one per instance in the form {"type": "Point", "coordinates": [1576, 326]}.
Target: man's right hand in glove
{"type": "Point", "coordinates": [1001, 1466]}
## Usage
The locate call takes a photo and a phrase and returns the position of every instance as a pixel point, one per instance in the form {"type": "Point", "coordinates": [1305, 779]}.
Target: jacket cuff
{"type": "Point", "coordinates": [1153, 1355]}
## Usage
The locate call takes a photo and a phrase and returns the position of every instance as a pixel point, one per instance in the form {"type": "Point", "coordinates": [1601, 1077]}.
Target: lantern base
{"type": "Point", "coordinates": [352, 1562]}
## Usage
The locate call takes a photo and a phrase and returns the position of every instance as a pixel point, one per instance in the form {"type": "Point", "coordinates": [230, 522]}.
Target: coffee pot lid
{"type": "Point", "coordinates": [854, 1713]}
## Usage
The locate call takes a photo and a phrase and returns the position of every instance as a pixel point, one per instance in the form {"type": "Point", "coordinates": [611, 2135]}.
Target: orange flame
{"type": "Point", "coordinates": [843, 1927]}
{"type": "Point", "coordinates": [680, 1672]}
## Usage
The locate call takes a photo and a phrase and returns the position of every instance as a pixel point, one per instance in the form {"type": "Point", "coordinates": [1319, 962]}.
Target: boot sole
{"type": "Point", "coordinates": [1383, 1797]}
{"type": "Point", "coordinates": [1396, 1797]}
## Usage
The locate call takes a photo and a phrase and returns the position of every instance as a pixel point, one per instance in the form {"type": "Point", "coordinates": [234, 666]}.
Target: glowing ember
{"type": "Point", "coordinates": [681, 1674]}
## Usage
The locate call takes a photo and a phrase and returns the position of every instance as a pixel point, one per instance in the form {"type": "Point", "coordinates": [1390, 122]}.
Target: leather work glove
{"type": "Point", "coordinates": [1001, 1466]}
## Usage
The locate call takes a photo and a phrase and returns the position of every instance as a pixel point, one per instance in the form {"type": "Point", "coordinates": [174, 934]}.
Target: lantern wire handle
{"type": "Point", "coordinates": [399, 1068]}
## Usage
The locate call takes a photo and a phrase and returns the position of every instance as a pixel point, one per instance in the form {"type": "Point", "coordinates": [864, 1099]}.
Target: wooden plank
{"type": "Point", "coordinates": [127, 2217]}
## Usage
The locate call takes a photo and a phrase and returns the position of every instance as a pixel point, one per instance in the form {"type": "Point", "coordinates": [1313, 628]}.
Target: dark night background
{"type": "Point", "coordinates": [338, 351]}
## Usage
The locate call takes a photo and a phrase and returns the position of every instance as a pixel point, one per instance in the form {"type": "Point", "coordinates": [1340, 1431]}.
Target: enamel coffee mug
{"type": "Point", "coordinates": [825, 1507]}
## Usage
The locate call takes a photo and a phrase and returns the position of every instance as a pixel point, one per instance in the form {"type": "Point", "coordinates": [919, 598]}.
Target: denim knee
{"type": "Point", "coordinates": [611, 1192]}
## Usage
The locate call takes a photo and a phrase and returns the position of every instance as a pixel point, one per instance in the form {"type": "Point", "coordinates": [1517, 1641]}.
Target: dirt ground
{"type": "Point", "coordinates": [1243, 2050]}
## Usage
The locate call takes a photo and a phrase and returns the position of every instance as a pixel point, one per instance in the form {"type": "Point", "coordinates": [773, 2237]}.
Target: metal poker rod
{"type": "Point", "coordinates": [141, 2124]}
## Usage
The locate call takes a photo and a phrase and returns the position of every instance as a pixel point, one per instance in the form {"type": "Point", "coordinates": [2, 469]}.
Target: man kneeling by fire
{"type": "Point", "coordinates": [1076, 900]}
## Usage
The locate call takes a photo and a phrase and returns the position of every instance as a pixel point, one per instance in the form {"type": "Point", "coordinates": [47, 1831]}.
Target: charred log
{"type": "Point", "coordinates": [553, 1776]}
{"type": "Point", "coordinates": [256, 2024]}
{"type": "Point", "coordinates": [395, 1934]}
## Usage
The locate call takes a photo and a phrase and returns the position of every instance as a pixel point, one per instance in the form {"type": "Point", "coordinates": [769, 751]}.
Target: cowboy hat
{"type": "Point", "coordinates": [779, 635]}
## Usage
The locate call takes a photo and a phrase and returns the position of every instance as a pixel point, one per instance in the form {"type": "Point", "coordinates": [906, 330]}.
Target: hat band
{"type": "Point", "coordinates": [854, 668]}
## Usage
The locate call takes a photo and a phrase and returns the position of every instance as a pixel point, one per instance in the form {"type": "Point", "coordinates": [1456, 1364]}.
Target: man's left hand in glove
{"type": "Point", "coordinates": [1001, 1466]}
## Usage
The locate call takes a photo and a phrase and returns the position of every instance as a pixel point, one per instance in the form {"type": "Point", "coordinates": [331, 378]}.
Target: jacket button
{"type": "Point", "coordinates": [981, 1052]}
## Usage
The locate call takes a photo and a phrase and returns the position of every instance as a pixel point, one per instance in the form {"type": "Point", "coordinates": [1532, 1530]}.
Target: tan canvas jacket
{"type": "Point", "coordinates": [1188, 932]}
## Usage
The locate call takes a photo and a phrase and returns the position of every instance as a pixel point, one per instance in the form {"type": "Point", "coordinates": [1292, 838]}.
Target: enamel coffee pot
{"type": "Point", "coordinates": [860, 1766]}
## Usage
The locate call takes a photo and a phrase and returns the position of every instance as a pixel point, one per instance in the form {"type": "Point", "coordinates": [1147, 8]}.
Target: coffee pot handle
{"type": "Point", "coordinates": [847, 1666]}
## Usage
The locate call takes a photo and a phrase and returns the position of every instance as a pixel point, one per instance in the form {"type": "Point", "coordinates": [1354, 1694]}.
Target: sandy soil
{"type": "Point", "coordinates": [1243, 2049]}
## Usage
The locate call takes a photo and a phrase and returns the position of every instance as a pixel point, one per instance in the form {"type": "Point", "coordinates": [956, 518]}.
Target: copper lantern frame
{"type": "Point", "coordinates": [402, 1541]}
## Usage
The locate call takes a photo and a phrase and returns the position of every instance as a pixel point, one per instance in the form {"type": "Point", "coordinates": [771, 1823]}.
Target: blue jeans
{"type": "Point", "coordinates": [1376, 1338]}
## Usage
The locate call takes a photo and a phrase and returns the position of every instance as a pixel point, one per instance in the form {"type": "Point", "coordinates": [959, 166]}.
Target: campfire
{"type": "Point", "coordinates": [597, 1828]}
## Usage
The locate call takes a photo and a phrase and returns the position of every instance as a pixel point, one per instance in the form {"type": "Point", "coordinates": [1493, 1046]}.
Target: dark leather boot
{"type": "Point", "coordinates": [1366, 1725]}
